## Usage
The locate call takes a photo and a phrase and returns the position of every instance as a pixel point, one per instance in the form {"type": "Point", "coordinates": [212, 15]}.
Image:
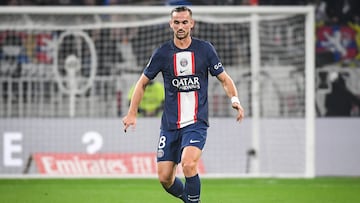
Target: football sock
{"type": "Point", "coordinates": [192, 188]}
{"type": "Point", "coordinates": [177, 189]}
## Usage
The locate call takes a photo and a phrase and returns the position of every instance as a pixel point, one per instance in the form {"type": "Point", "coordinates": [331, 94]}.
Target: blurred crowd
{"type": "Point", "coordinates": [332, 11]}
{"type": "Point", "coordinates": [154, 2]}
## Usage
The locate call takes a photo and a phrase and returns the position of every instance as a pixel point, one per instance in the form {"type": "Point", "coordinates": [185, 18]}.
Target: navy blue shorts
{"type": "Point", "coordinates": [172, 142]}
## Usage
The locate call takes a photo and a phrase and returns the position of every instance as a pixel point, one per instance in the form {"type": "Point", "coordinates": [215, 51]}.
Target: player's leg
{"type": "Point", "coordinates": [167, 178]}
{"type": "Point", "coordinates": [193, 141]}
{"type": "Point", "coordinates": [168, 156]}
{"type": "Point", "coordinates": [189, 161]}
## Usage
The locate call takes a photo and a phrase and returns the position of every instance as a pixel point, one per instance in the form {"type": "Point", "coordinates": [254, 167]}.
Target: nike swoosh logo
{"type": "Point", "coordinates": [182, 71]}
{"type": "Point", "coordinates": [194, 141]}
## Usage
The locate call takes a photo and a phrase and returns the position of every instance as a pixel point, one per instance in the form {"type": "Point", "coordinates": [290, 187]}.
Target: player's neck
{"type": "Point", "coordinates": [182, 43]}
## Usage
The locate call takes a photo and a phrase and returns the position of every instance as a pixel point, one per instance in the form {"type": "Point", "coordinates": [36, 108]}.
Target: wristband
{"type": "Point", "coordinates": [235, 100]}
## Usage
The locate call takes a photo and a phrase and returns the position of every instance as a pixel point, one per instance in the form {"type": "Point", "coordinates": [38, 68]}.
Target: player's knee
{"type": "Point", "coordinates": [189, 167]}
{"type": "Point", "coordinates": [165, 181]}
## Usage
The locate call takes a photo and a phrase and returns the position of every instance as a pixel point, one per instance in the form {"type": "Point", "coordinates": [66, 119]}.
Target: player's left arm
{"type": "Point", "coordinates": [231, 92]}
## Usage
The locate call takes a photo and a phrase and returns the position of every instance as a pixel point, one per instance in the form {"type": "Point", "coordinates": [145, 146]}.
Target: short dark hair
{"type": "Point", "coordinates": [181, 9]}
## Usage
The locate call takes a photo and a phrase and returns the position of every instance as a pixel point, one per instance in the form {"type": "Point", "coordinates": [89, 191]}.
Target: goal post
{"type": "Point", "coordinates": [309, 81]}
{"type": "Point", "coordinates": [268, 51]}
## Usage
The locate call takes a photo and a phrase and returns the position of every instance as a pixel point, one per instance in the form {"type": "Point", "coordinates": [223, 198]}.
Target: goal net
{"type": "Point", "coordinates": [70, 69]}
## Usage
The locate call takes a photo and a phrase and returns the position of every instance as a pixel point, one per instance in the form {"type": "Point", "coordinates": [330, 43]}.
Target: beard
{"type": "Point", "coordinates": [181, 35]}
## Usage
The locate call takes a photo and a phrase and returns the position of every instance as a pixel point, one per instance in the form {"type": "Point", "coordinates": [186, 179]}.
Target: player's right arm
{"type": "Point", "coordinates": [130, 118]}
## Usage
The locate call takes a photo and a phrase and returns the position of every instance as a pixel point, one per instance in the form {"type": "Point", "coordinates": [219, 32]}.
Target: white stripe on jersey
{"type": "Point", "coordinates": [184, 65]}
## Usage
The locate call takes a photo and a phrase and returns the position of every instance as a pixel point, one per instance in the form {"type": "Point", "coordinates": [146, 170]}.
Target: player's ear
{"type": "Point", "coordinates": [192, 24]}
{"type": "Point", "coordinates": [171, 24]}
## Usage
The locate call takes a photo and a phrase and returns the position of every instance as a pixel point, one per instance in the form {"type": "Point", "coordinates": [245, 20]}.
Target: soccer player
{"type": "Point", "coordinates": [185, 63]}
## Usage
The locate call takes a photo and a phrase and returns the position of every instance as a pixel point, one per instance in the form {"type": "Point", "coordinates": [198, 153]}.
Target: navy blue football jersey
{"type": "Point", "coordinates": [185, 73]}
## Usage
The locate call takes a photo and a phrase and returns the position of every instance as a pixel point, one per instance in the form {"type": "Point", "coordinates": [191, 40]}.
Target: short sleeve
{"type": "Point", "coordinates": [215, 67]}
{"type": "Point", "coordinates": [154, 65]}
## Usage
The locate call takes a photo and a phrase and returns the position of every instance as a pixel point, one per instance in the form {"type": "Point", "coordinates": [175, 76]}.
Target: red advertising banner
{"type": "Point", "coordinates": [98, 164]}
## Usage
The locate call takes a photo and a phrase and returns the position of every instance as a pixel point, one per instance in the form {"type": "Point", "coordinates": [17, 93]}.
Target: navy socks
{"type": "Point", "coordinates": [192, 189]}
{"type": "Point", "coordinates": [177, 189]}
{"type": "Point", "coordinates": [188, 194]}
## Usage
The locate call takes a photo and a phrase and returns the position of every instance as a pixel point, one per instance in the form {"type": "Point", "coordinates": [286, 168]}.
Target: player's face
{"type": "Point", "coordinates": [181, 23]}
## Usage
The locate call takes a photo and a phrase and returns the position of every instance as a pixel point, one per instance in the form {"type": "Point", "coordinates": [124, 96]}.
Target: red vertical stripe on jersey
{"type": "Point", "coordinates": [196, 105]}
{"type": "Point", "coordinates": [179, 109]}
{"type": "Point", "coordinates": [193, 62]}
{"type": "Point", "coordinates": [195, 93]}
{"type": "Point", "coordinates": [178, 95]}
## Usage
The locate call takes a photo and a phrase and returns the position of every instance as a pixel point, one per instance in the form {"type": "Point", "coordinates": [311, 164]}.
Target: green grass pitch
{"type": "Point", "coordinates": [227, 190]}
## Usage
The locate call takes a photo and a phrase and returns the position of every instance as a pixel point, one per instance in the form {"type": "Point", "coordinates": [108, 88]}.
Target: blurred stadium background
{"type": "Point", "coordinates": [66, 73]}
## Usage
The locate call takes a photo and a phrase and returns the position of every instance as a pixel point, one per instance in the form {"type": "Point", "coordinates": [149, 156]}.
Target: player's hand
{"type": "Point", "coordinates": [128, 121]}
{"type": "Point", "coordinates": [240, 111]}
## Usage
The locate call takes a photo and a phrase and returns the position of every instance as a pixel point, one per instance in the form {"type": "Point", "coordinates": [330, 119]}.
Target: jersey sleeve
{"type": "Point", "coordinates": [154, 65]}
{"type": "Point", "coordinates": [215, 67]}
